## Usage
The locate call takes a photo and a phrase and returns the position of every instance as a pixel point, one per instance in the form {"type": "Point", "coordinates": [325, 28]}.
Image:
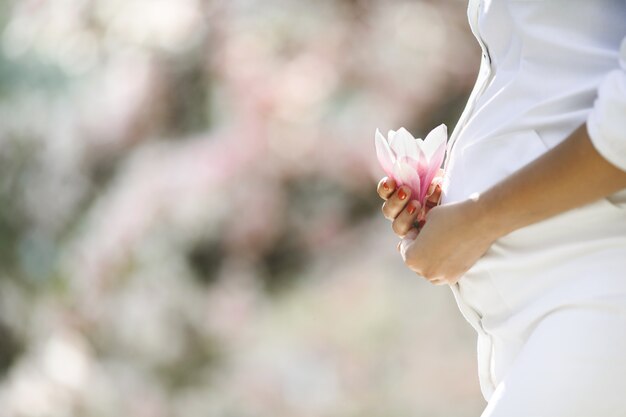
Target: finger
{"type": "Point", "coordinates": [396, 202]}
{"type": "Point", "coordinates": [431, 188]}
{"type": "Point", "coordinates": [404, 221]}
{"type": "Point", "coordinates": [421, 216]}
{"type": "Point", "coordinates": [386, 187]}
{"type": "Point", "coordinates": [436, 182]}
{"type": "Point", "coordinates": [433, 199]}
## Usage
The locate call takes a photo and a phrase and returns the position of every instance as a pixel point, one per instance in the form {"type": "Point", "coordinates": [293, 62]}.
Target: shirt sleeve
{"type": "Point", "coordinates": [606, 123]}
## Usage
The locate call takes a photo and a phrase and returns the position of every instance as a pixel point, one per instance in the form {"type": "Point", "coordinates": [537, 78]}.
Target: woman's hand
{"type": "Point", "coordinates": [452, 239]}
{"type": "Point", "coordinates": [401, 209]}
{"type": "Point", "coordinates": [455, 236]}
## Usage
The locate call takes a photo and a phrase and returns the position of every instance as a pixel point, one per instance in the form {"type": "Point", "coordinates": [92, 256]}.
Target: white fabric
{"type": "Point", "coordinates": [548, 301]}
{"type": "Point", "coordinates": [607, 122]}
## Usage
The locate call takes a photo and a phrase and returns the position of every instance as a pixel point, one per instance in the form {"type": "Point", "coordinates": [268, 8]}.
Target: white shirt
{"type": "Point", "coordinates": [548, 66]}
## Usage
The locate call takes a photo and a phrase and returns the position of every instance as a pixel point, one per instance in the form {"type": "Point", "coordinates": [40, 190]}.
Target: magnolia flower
{"type": "Point", "coordinates": [412, 162]}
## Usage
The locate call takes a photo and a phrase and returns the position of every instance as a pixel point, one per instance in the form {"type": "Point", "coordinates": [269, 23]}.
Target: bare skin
{"type": "Point", "coordinates": [456, 235]}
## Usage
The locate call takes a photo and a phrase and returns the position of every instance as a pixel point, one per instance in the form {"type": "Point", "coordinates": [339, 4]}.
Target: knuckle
{"type": "Point", "coordinates": [391, 209]}
{"type": "Point", "coordinates": [396, 203]}
{"type": "Point", "coordinates": [429, 274]}
{"type": "Point", "coordinates": [385, 209]}
{"type": "Point", "coordinates": [413, 265]}
{"type": "Point", "coordinates": [392, 202]}
{"type": "Point", "coordinates": [400, 228]}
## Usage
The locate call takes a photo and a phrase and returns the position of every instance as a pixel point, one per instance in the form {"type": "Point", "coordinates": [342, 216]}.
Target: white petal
{"type": "Point", "coordinates": [433, 140]}
{"type": "Point", "coordinates": [404, 144]}
{"type": "Point", "coordinates": [386, 156]}
{"type": "Point", "coordinates": [404, 174]}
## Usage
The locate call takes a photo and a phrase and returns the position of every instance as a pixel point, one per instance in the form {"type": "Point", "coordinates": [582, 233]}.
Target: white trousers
{"type": "Point", "coordinates": [549, 305]}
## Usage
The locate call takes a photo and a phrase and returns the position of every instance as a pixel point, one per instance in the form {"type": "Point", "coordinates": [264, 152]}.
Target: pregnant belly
{"type": "Point", "coordinates": [476, 165]}
{"type": "Point", "coordinates": [578, 253]}
{"type": "Point", "coordinates": [574, 256]}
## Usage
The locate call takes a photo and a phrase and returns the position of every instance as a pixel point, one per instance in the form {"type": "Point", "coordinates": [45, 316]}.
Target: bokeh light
{"type": "Point", "coordinates": [188, 217]}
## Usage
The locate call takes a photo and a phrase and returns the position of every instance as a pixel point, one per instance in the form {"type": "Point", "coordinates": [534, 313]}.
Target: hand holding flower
{"type": "Point", "coordinates": [410, 161]}
{"type": "Point", "coordinates": [401, 208]}
{"type": "Point", "coordinates": [412, 165]}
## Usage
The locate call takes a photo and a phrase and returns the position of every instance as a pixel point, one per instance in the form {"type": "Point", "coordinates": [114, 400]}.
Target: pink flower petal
{"type": "Point", "coordinates": [405, 174]}
{"type": "Point", "coordinates": [433, 140]}
{"type": "Point", "coordinates": [386, 156]}
{"type": "Point", "coordinates": [412, 162]}
{"type": "Point", "coordinates": [420, 165]}
{"type": "Point", "coordinates": [404, 144]}
{"type": "Point", "coordinates": [433, 168]}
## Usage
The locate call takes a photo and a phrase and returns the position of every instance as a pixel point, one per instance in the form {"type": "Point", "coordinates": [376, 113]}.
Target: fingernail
{"type": "Point", "coordinates": [401, 194]}
{"type": "Point", "coordinates": [386, 186]}
{"type": "Point", "coordinates": [412, 207]}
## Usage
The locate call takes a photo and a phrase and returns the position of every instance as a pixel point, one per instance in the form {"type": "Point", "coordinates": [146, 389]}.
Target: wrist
{"type": "Point", "coordinates": [488, 217]}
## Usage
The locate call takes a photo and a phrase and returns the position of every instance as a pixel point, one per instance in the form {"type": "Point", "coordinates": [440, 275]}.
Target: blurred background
{"type": "Point", "coordinates": [189, 224]}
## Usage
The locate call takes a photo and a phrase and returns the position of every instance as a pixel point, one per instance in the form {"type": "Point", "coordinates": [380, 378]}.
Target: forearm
{"type": "Point", "coordinates": [567, 176]}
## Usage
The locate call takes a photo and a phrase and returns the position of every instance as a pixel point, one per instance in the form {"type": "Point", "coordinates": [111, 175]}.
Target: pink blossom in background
{"type": "Point", "coordinates": [412, 162]}
{"type": "Point", "coordinates": [197, 255]}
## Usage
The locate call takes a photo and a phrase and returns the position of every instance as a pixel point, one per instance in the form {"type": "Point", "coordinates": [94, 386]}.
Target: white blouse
{"type": "Point", "coordinates": [548, 66]}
